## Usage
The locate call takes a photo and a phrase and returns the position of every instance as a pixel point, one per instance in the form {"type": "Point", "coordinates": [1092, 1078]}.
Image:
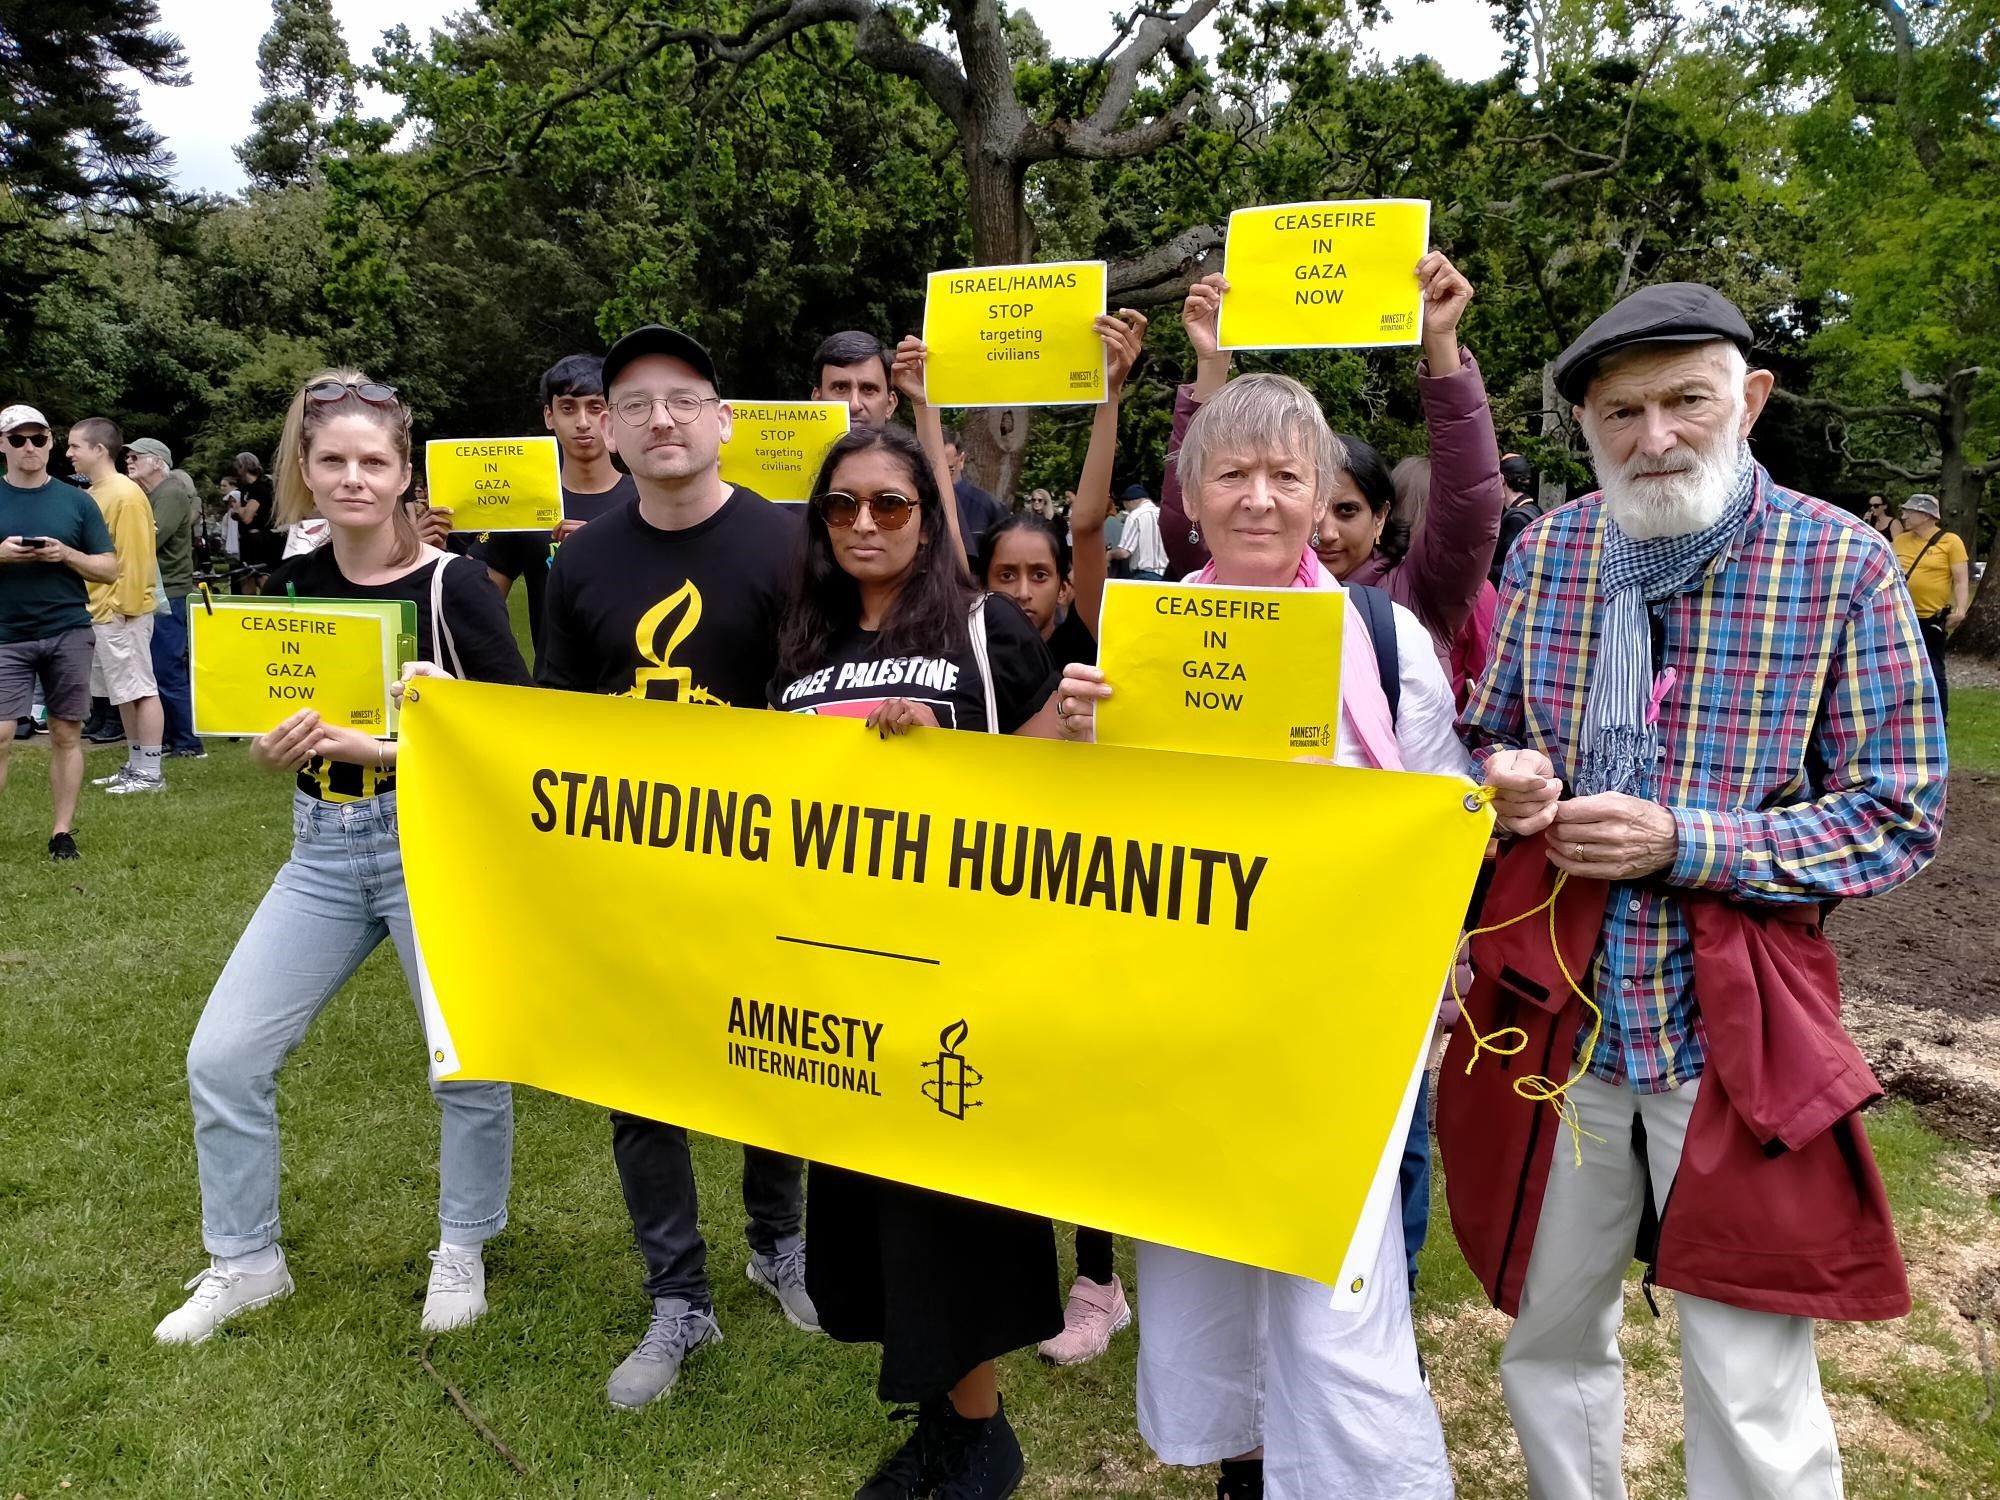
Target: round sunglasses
{"type": "Point", "coordinates": [374, 392]}
{"type": "Point", "coordinates": [889, 510]}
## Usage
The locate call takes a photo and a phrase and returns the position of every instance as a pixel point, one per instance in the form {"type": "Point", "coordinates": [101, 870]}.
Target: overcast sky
{"type": "Point", "coordinates": [204, 120]}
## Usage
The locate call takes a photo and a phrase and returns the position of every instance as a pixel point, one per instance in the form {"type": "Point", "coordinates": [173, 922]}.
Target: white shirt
{"type": "Point", "coordinates": [1141, 538]}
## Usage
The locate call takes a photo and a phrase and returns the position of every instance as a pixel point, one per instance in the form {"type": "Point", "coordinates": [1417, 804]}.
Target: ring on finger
{"type": "Point", "coordinates": [1062, 708]}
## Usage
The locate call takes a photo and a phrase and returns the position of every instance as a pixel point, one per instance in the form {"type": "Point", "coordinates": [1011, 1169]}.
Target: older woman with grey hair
{"type": "Point", "coordinates": [1278, 1378]}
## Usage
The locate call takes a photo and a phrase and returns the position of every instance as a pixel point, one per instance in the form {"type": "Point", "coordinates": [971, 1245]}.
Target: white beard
{"type": "Point", "coordinates": [1690, 499]}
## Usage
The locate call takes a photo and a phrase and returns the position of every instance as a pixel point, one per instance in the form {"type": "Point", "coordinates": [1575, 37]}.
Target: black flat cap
{"type": "Point", "coordinates": [1135, 492]}
{"type": "Point", "coordinates": [1674, 312]}
{"type": "Point", "coordinates": [656, 339]}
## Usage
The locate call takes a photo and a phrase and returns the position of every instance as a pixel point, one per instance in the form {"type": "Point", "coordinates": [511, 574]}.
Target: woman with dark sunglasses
{"type": "Point", "coordinates": [344, 456]}
{"type": "Point", "coordinates": [885, 626]}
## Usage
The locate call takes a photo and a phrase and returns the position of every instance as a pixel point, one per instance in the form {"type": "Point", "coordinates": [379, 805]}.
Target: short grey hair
{"type": "Point", "coordinates": [1262, 413]}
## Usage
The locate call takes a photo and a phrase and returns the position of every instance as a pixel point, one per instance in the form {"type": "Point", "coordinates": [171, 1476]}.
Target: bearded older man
{"type": "Point", "coordinates": [1730, 678]}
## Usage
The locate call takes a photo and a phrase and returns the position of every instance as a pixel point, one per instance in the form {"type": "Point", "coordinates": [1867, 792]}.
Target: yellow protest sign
{"type": "Point", "coordinates": [1225, 671]}
{"type": "Point", "coordinates": [496, 484]}
{"type": "Point", "coordinates": [776, 447]}
{"type": "Point", "coordinates": [1324, 275]}
{"type": "Point", "coordinates": [1015, 335]}
{"type": "Point", "coordinates": [814, 940]}
{"type": "Point", "coordinates": [254, 662]}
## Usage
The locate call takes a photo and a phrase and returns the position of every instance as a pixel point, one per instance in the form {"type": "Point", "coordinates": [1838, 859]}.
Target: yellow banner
{"type": "Point", "coordinates": [1224, 671]}
{"type": "Point", "coordinates": [255, 662]}
{"type": "Point", "coordinates": [1325, 275]}
{"type": "Point", "coordinates": [776, 447]}
{"type": "Point", "coordinates": [946, 958]}
{"type": "Point", "coordinates": [496, 484]}
{"type": "Point", "coordinates": [1015, 335]}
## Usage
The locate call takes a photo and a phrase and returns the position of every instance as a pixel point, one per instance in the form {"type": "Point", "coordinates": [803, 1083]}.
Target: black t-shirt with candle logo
{"type": "Point", "coordinates": [686, 616]}
{"type": "Point", "coordinates": [856, 676]}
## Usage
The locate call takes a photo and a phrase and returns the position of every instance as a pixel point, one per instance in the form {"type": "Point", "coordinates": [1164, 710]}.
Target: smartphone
{"type": "Point", "coordinates": [38, 542]}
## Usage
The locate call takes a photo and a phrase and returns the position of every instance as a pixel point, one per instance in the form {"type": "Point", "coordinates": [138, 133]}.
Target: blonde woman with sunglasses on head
{"type": "Point", "coordinates": [345, 456]}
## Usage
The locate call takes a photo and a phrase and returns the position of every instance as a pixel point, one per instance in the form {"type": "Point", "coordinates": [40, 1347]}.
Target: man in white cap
{"type": "Point", "coordinates": [175, 506]}
{"type": "Point", "coordinates": [1939, 577]}
{"type": "Point", "coordinates": [52, 541]}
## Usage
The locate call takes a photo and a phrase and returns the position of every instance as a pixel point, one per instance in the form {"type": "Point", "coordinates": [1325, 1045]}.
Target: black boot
{"type": "Point", "coordinates": [104, 727]}
{"type": "Point", "coordinates": [982, 1457]}
{"type": "Point", "coordinates": [910, 1473]}
{"type": "Point", "coordinates": [1242, 1479]}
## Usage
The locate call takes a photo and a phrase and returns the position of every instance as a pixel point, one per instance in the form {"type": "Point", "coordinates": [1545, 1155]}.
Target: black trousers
{"type": "Point", "coordinates": [1934, 639]}
{"type": "Point", "coordinates": [657, 1174]}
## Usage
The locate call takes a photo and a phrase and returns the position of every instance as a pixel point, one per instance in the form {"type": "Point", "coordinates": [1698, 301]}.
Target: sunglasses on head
{"type": "Point", "coordinates": [372, 391]}
{"type": "Point", "coordinates": [891, 511]}
{"type": "Point", "coordinates": [27, 440]}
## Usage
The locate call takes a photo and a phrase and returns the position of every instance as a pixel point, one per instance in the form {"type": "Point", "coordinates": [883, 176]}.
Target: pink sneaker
{"type": "Point", "coordinates": [1093, 1315]}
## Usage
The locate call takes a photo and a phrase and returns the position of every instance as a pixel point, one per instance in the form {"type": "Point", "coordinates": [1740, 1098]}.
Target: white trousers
{"type": "Point", "coordinates": [1232, 1357]}
{"type": "Point", "coordinates": [1754, 1421]}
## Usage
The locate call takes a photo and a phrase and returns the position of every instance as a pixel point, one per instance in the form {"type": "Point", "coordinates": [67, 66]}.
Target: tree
{"type": "Point", "coordinates": [304, 67]}
{"type": "Point", "coordinates": [71, 140]}
{"type": "Point", "coordinates": [1134, 99]}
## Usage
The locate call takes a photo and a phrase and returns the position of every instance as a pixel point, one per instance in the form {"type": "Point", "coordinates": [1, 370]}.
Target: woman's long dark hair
{"type": "Point", "coordinates": [1370, 473]}
{"type": "Point", "coordinates": [929, 615]}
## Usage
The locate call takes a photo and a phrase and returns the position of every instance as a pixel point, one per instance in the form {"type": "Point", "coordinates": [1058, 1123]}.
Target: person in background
{"type": "Point", "coordinates": [943, 1284]}
{"type": "Point", "coordinates": [260, 541]}
{"type": "Point", "coordinates": [53, 546]}
{"type": "Point", "coordinates": [1519, 512]}
{"type": "Point", "coordinates": [573, 408]}
{"type": "Point", "coordinates": [1139, 547]}
{"type": "Point", "coordinates": [345, 453]}
{"type": "Point", "coordinates": [1939, 576]}
{"type": "Point", "coordinates": [1296, 1390]}
{"type": "Point", "coordinates": [854, 367]}
{"type": "Point", "coordinates": [1881, 519]}
{"type": "Point", "coordinates": [978, 511]}
{"type": "Point", "coordinates": [122, 613]}
{"type": "Point", "coordinates": [150, 463]}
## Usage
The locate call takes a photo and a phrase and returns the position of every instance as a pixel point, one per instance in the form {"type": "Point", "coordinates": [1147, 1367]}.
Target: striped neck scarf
{"type": "Point", "coordinates": [1621, 741]}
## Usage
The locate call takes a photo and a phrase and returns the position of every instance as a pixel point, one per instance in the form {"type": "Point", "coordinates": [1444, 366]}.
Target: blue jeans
{"type": "Point", "coordinates": [1414, 1178]}
{"type": "Point", "coordinates": [1146, 577]}
{"type": "Point", "coordinates": [170, 673]}
{"type": "Point", "coordinates": [330, 906]}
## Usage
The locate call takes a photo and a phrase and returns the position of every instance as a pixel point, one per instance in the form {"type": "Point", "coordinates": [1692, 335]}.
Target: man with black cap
{"type": "Point", "coordinates": [1140, 545]}
{"type": "Point", "coordinates": [676, 595]}
{"type": "Point", "coordinates": [1728, 678]}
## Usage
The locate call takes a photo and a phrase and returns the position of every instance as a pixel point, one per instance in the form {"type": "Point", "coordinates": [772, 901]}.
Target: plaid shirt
{"type": "Point", "coordinates": [1804, 758]}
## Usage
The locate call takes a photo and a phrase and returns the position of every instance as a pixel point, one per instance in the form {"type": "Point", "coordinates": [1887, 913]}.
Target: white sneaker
{"type": "Point", "coordinates": [218, 1297]}
{"type": "Point", "coordinates": [457, 1294]}
{"type": "Point", "coordinates": [138, 781]}
{"type": "Point", "coordinates": [123, 773]}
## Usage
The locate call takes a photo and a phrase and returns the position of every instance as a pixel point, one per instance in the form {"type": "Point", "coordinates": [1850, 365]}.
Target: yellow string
{"type": "Point", "coordinates": [1536, 1088]}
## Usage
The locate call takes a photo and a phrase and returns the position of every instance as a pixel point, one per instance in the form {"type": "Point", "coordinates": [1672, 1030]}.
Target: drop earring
{"type": "Point", "coordinates": [1194, 533]}
{"type": "Point", "coordinates": [1313, 540]}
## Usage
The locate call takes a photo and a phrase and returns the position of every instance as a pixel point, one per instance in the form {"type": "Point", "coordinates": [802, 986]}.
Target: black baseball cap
{"type": "Point", "coordinates": [655, 338]}
{"type": "Point", "coordinates": [1135, 492]}
{"type": "Point", "coordinates": [1674, 312]}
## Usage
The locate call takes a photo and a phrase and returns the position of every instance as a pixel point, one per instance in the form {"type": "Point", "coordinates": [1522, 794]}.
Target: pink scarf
{"type": "Point", "coordinates": [1362, 702]}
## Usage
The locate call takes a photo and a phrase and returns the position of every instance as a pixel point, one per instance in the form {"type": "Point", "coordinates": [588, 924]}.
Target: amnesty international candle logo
{"type": "Point", "coordinates": [664, 680]}
{"type": "Point", "coordinates": [952, 1077]}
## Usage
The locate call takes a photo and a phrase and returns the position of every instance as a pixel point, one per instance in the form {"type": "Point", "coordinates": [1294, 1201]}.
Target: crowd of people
{"type": "Point", "coordinates": [1694, 691]}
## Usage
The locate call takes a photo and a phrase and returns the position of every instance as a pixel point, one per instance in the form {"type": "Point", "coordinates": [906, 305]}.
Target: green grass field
{"type": "Point", "coordinates": [104, 966]}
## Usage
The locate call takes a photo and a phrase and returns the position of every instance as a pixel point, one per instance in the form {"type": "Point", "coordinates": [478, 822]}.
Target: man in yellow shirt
{"type": "Point", "coordinates": [121, 613]}
{"type": "Point", "coordinates": [1935, 568]}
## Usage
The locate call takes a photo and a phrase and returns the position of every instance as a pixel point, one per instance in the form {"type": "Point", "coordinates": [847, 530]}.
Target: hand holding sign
{"type": "Point", "coordinates": [1446, 294]}
{"type": "Point", "coordinates": [1124, 341]}
{"type": "Point", "coordinates": [912, 357]}
{"type": "Point", "coordinates": [1201, 311]}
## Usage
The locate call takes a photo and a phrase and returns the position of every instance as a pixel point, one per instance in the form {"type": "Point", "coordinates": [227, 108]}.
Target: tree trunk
{"type": "Point", "coordinates": [996, 187]}
{"type": "Point", "coordinates": [1553, 491]}
{"type": "Point", "coordinates": [1959, 489]}
{"type": "Point", "coordinates": [1980, 634]}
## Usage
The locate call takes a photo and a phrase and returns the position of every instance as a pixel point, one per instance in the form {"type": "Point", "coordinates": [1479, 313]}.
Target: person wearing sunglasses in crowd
{"type": "Point", "coordinates": [345, 454]}
{"type": "Point", "coordinates": [944, 1285]}
{"type": "Point", "coordinates": [675, 596]}
{"type": "Point", "coordinates": [1295, 1390]}
{"type": "Point", "coordinates": [53, 541]}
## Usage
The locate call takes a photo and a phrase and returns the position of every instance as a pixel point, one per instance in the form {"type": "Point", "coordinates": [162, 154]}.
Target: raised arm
{"type": "Point", "coordinates": [1124, 336]}
{"type": "Point", "coordinates": [1452, 552]}
{"type": "Point", "coordinates": [908, 378]}
{"type": "Point", "coordinates": [1199, 316]}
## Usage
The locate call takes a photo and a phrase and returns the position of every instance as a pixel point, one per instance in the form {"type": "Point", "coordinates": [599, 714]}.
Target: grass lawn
{"type": "Point", "coordinates": [1975, 730]}
{"type": "Point", "coordinates": [104, 966]}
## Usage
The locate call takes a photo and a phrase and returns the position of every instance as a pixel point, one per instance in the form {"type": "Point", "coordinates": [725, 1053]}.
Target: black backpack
{"type": "Point", "coordinates": [1380, 612]}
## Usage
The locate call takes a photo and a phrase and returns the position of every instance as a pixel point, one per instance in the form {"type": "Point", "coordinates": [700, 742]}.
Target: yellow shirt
{"type": "Point", "coordinates": [1930, 582]}
{"type": "Point", "coordinates": [128, 516]}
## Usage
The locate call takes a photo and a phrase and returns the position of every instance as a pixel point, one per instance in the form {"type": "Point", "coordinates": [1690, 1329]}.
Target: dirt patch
{"type": "Point", "coordinates": [1921, 972]}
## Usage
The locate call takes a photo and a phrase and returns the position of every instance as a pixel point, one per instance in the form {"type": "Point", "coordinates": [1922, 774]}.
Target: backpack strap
{"type": "Point", "coordinates": [1380, 613]}
{"type": "Point", "coordinates": [977, 625]}
{"type": "Point", "coordinates": [442, 645]}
